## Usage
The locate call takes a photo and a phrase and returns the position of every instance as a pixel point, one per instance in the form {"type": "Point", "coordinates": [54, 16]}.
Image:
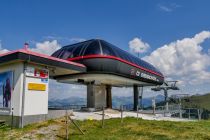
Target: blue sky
{"type": "Point", "coordinates": [116, 21]}
{"type": "Point", "coordinates": [155, 22]}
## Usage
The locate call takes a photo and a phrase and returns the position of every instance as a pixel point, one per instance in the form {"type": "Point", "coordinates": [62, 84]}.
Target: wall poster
{"type": "Point", "coordinates": [6, 82]}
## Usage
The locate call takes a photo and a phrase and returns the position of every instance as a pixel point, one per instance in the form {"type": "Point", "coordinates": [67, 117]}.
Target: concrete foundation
{"type": "Point", "coordinates": [96, 96]}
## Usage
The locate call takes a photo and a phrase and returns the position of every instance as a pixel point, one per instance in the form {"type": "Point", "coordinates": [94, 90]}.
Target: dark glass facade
{"type": "Point", "coordinates": [100, 47]}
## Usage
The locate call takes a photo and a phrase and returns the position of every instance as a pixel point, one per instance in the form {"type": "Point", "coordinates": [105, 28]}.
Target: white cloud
{"type": "Point", "coordinates": [65, 39]}
{"type": "Point", "coordinates": [138, 46]}
{"type": "Point", "coordinates": [168, 7]}
{"type": "Point", "coordinates": [165, 8]}
{"type": "Point", "coordinates": [183, 59]}
{"type": "Point", "coordinates": [46, 47]}
{"type": "Point", "coordinates": [2, 50]}
{"type": "Point", "coordinates": [77, 39]}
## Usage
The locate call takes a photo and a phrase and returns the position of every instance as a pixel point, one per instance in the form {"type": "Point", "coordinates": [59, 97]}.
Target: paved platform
{"type": "Point", "coordinates": [117, 114]}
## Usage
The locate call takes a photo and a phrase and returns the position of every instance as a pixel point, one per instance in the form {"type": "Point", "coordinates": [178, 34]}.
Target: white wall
{"type": "Point", "coordinates": [36, 102]}
{"type": "Point", "coordinates": [16, 98]}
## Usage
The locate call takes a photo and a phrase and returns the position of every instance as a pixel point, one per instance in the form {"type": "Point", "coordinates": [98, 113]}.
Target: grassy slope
{"type": "Point", "coordinates": [195, 101]}
{"type": "Point", "coordinates": [201, 101]}
{"type": "Point", "coordinates": [131, 129]}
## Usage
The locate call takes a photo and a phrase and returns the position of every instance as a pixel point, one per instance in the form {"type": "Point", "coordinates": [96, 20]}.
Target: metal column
{"type": "Point", "coordinates": [166, 99]}
{"type": "Point", "coordinates": [135, 97]}
{"type": "Point", "coordinates": [109, 96]}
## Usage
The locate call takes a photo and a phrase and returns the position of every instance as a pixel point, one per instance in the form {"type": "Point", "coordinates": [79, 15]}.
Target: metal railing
{"type": "Point", "coordinates": [67, 107]}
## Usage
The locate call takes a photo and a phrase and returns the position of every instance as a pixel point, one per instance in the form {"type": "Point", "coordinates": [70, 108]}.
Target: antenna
{"type": "Point", "coordinates": [26, 46]}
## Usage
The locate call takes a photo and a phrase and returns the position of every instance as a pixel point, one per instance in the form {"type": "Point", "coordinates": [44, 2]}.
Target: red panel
{"type": "Point", "coordinates": [41, 55]}
{"type": "Point", "coordinates": [113, 57]}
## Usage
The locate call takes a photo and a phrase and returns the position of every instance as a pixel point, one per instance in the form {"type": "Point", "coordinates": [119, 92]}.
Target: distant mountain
{"type": "Point", "coordinates": [67, 102]}
{"type": "Point", "coordinates": [201, 101]}
{"type": "Point", "coordinates": [117, 101]}
{"type": "Point", "coordinates": [197, 101]}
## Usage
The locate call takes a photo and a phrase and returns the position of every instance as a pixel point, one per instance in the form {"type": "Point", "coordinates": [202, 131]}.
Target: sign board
{"type": "Point", "coordinates": [37, 72]}
{"type": "Point", "coordinates": [141, 74]}
{"type": "Point", "coordinates": [6, 85]}
{"type": "Point", "coordinates": [37, 86]}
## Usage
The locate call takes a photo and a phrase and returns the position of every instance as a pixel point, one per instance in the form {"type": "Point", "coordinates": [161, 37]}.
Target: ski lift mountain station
{"type": "Point", "coordinates": [97, 64]}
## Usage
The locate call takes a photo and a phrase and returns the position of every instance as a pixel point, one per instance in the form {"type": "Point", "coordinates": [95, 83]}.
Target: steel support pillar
{"type": "Point", "coordinates": [135, 97]}
{"type": "Point", "coordinates": [109, 96]}
{"type": "Point", "coordinates": [166, 99]}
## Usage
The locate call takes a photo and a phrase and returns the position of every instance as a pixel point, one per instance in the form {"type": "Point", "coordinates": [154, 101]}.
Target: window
{"type": "Point", "coordinates": [107, 50]}
{"type": "Point", "coordinates": [93, 48]}
{"type": "Point", "coordinates": [55, 54]}
{"type": "Point", "coordinates": [77, 50]}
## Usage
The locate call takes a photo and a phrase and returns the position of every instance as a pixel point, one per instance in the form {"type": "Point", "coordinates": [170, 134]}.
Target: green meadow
{"type": "Point", "coordinates": [130, 129]}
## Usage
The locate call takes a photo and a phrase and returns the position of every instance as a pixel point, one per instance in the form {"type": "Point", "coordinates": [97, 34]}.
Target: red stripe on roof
{"type": "Point", "coordinates": [116, 58]}
{"type": "Point", "coordinates": [42, 55]}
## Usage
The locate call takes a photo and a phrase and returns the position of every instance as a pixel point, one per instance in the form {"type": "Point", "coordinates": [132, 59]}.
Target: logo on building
{"type": "Point", "coordinates": [133, 72]}
{"type": "Point", "coordinates": [143, 75]}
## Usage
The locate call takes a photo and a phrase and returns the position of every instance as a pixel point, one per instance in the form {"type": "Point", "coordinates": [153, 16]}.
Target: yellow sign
{"type": "Point", "coordinates": [36, 86]}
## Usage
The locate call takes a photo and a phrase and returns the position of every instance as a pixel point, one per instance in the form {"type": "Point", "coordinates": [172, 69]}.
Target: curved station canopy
{"type": "Point", "coordinates": [108, 64]}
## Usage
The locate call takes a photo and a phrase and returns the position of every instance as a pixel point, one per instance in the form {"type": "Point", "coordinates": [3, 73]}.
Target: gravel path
{"type": "Point", "coordinates": [49, 133]}
{"type": "Point", "coordinates": [116, 114]}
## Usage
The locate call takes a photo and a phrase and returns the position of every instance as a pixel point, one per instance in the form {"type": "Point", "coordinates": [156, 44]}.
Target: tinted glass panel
{"type": "Point", "coordinates": [77, 50]}
{"type": "Point", "coordinates": [55, 54]}
{"type": "Point", "coordinates": [69, 53]}
{"type": "Point", "coordinates": [85, 45]}
{"type": "Point", "coordinates": [61, 53]}
{"type": "Point", "coordinates": [93, 48]}
{"type": "Point", "coordinates": [107, 50]}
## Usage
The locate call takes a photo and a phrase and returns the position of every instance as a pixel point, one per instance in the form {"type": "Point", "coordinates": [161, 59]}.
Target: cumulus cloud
{"type": "Point", "coordinates": [168, 7]}
{"type": "Point", "coordinates": [77, 39]}
{"type": "Point", "coordinates": [184, 59]}
{"type": "Point", "coordinates": [165, 8]}
{"type": "Point", "coordinates": [138, 46]}
{"type": "Point", "coordinates": [46, 47]}
{"type": "Point", "coordinates": [65, 39]}
{"type": "Point", "coordinates": [2, 50]}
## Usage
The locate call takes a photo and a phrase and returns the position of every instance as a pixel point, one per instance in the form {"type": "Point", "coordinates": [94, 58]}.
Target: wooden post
{"type": "Point", "coordinates": [199, 114]}
{"type": "Point", "coordinates": [121, 113]}
{"type": "Point", "coordinates": [153, 105]}
{"type": "Point", "coordinates": [137, 112]}
{"type": "Point", "coordinates": [67, 133]}
{"type": "Point", "coordinates": [12, 120]}
{"type": "Point", "coordinates": [102, 116]}
{"type": "Point", "coordinates": [75, 124]}
{"type": "Point", "coordinates": [189, 114]}
{"type": "Point", "coordinates": [180, 108]}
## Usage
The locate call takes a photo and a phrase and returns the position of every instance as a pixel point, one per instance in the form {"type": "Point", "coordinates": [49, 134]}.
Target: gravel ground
{"type": "Point", "coordinates": [117, 114]}
{"type": "Point", "coordinates": [49, 132]}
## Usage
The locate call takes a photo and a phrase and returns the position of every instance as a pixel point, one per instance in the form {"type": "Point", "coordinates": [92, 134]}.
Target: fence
{"type": "Point", "coordinates": [68, 107]}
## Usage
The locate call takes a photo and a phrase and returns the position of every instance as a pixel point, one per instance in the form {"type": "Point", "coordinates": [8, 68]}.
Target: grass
{"type": "Point", "coordinates": [131, 129]}
{"type": "Point", "coordinates": [142, 129]}
{"type": "Point", "coordinates": [198, 101]}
